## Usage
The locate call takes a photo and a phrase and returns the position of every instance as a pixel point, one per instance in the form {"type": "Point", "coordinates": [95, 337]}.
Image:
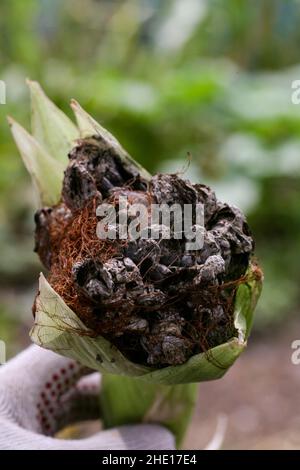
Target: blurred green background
{"type": "Point", "coordinates": [169, 78]}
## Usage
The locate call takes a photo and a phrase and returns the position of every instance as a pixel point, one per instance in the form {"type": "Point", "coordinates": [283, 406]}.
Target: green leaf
{"type": "Point", "coordinates": [210, 365]}
{"type": "Point", "coordinates": [89, 127]}
{"type": "Point", "coordinates": [127, 400]}
{"type": "Point", "coordinates": [50, 126]}
{"type": "Point", "coordinates": [246, 299]}
{"type": "Point", "coordinates": [46, 173]}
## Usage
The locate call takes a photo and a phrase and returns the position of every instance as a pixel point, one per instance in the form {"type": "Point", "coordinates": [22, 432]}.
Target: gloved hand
{"type": "Point", "coordinates": [41, 392]}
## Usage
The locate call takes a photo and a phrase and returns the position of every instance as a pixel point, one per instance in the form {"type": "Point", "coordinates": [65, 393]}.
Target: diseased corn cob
{"type": "Point", "coordinates": [140, 308]}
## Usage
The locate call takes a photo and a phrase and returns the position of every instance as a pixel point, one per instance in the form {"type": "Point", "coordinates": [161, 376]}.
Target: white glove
{"type": "Point", "coordinates": [40, 392]}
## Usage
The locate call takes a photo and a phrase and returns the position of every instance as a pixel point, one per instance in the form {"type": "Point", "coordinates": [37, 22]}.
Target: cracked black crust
{"type": "Point", "coordinates": [154, 299]}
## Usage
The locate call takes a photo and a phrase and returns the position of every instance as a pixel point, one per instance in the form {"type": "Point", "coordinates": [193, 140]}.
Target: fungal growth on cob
{"type": "Point", "coordinates": [157, 302]}
{"type": "Point", "coordinates": [154, 314]}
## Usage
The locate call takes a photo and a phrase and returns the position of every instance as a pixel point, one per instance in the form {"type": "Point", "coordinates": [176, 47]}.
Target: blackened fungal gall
{"type": "Point", "coordinates": [156, 301]}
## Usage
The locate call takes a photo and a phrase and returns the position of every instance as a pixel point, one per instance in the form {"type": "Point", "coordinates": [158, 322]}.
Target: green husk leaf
{"type": "Point", "coordinates": [147, 402]}
{"type": "Point", "coordinates": [50, 126]}
{"type": "Point", "coordinates": [58, 328]}
{"type": "Point", "coordinates": [46, 173]}
{"type": "Point", "coordinates": [88, 127]}
{"type": "Point", "coordinates": [245, 302]}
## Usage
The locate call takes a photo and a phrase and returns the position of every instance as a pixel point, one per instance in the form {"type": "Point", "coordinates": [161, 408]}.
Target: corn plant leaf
{"type": "Point", "coordinates": [50, 126]}
{"type": "Point", "coordinates": [46, 173]}
{"type": "Point", "coordinates": [172, 406]}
